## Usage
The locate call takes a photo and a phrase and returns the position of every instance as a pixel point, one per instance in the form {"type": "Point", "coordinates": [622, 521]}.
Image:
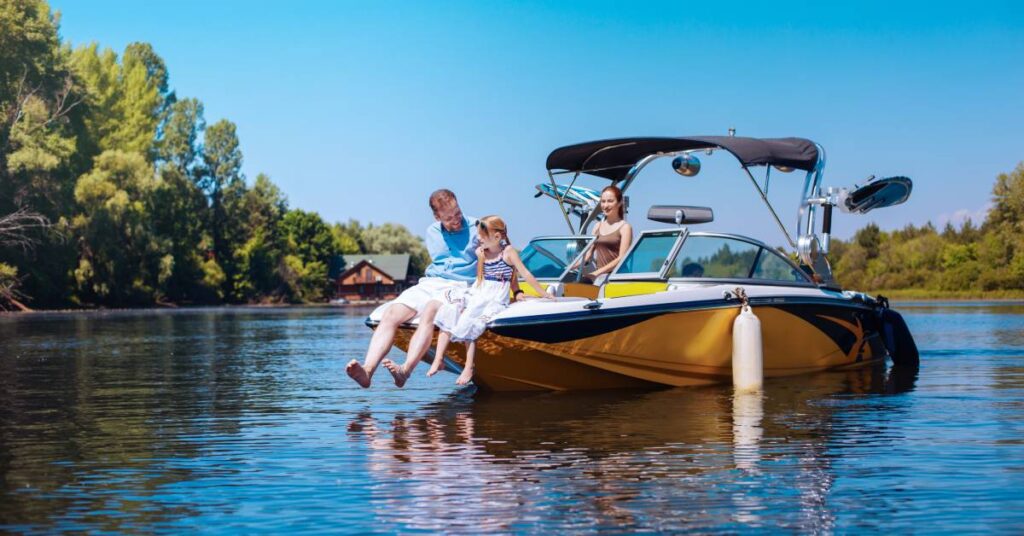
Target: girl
{"type": "Point", "coordinates": [464, 314]}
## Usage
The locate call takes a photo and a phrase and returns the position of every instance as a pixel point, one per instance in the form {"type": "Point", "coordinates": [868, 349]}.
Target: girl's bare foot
{"type": "Point", "coordinates": [358, 373]}
{"type": "Point", "coordinates": [397, 371]}
{"type": "Point", "coordinates": [465, 377]}
{"type": "Point", "coordinates": [435, 367]}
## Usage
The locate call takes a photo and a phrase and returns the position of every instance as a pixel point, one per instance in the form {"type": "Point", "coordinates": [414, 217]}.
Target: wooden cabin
{"type": "Point", "coordinates": [373, 277]}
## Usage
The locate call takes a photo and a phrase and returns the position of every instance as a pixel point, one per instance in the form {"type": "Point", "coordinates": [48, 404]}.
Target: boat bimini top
{"type": "Point", "coordinates": [620, 160]}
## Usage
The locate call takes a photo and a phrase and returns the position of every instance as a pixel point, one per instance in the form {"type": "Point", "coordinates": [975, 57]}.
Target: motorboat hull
{"type": "Point", "coordinates": [685, 343]}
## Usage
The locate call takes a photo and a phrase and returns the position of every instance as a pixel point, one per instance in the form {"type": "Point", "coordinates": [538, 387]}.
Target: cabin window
{"type": "Point", "coordinates": [649, 253]}
{"type": "Point", "coordinates": [714, 256]}
{"type": "Point", "coordinates": [548, 258]}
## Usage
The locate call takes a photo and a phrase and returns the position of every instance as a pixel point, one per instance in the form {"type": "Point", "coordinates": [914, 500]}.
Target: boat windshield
{"type": "Point", "coordinates": [549, 258]}
{"type": "Point", "coordinates": [657, 254]}
{"type": "Point", "coordinates": [650, 253]}
{"type": "Point", "coordinates": [724, 257]}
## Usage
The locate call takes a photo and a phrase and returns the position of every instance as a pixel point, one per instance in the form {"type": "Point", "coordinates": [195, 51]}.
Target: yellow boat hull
{"type": "Point", "coordinates": [685, 348]}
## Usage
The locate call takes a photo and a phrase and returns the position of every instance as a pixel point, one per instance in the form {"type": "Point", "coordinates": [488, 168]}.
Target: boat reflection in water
{"type": "Point", "coordinates": [695, 458]}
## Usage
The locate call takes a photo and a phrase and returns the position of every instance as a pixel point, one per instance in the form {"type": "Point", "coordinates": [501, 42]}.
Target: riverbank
{"type": "Point", "coordinates": [240, 307]}
{"type": "Point", "coordinates": [916, 295]}
{"type": "Point", "coordinates": [951, 295]}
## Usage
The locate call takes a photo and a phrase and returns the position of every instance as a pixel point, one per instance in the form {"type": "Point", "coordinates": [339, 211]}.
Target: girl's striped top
{"type": "Point", "coordinates": [498, 270]}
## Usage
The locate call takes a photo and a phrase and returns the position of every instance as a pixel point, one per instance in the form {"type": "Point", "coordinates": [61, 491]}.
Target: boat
{"type": "Point", "coordinates": [665, 316]}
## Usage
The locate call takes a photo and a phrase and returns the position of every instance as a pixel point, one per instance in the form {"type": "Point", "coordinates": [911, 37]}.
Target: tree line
{"type": "Point", "coordinates": [114, 191]}
{"type": "Point", "coordinates": [969, 260]}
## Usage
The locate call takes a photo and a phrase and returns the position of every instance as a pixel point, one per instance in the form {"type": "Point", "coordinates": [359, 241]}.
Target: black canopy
{"type": "Point", "coordinates": [612, 159]}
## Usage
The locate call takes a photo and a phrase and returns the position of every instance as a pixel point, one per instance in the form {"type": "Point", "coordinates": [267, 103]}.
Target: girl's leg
{"type": "Point", "coordinates": [442, 344]}
{"type": "Point", "coordinates": [467, 371]}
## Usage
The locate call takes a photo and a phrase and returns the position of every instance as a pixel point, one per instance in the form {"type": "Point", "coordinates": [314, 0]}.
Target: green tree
{"type": "Point", "coordinates": [143, 80]}
{"type": "Point", "coordinates": [1008, 200]}
{"type": "Point", "coordinates": [260, 259]}
{"type": "Point", "coordinates": [348, 243]}
{"type": "Point", "coordinates": [30, 64]}
{"type": "Point", "coordinates": [39, 101]}
{"type": "Point", "coordinates": [180, 207]}
{"type": "Point", "coordinates": [224, 186]}
{"type": "Point", "coordinates": [395, 238]}
{"type": "Point", "coordinates": [311, 245]}
{"type": "Point", "coordinates": [124, 101]}
{"type": "Point", "coordinates": [121, 260]}
{"type": "Point", "coordinates": [179, 142]}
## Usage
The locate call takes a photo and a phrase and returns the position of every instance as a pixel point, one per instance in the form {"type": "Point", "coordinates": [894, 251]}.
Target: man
{"type": "Point", "coordinates": [451, 243]}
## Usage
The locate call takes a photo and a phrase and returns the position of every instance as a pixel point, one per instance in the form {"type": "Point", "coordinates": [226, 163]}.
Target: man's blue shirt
{"type": "Point", "coordinates": [452, 255]}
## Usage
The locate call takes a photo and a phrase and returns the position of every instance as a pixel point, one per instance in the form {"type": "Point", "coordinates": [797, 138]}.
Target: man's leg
{"type": "Point", "coordinates": [383, 338]}
{"type": "Point", "coordinates": [418, 345]}
{"type": "Point", "coordinates": [421, 340]}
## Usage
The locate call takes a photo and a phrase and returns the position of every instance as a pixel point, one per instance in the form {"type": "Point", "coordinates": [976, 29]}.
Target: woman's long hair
{"type": "Point", "coordinates": [618, 197]}
{"type": "Point", "coordinates": [490, 224]}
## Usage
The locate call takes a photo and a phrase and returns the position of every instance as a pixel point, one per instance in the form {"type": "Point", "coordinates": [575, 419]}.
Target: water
{"type": "Point", "coordinates": [243, 420]}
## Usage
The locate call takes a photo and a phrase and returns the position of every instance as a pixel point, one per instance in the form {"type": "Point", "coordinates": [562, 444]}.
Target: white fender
{"type": "Point", "coordinates": [747, 354]}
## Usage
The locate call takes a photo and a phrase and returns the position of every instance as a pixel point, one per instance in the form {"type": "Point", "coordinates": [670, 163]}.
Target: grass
{"type": "Point", "coordinates": [925, 294]}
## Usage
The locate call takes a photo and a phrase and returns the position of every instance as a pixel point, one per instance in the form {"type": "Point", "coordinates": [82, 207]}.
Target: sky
{"type": "Point", "coordinates": [360, 110]}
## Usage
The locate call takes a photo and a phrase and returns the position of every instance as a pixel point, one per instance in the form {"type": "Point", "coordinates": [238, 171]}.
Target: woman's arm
{"type": "Point", "coordinates": [589, 252]}
{"type": "Point", "coordinates": [512, 257]}
{"type": "Point", "coordinates": [625, 240]}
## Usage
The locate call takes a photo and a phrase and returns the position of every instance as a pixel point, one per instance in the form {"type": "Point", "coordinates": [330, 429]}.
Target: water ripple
{"type": "Point", "coordinates": [242, 420]}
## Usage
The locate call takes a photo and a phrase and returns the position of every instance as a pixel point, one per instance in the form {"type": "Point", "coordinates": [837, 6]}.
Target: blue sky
{"type": "Point", "coordinates": [360, 110]}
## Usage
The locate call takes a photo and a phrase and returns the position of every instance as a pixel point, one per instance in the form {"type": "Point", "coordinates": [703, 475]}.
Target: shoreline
{"type": "Point", "coordinates": [258, 306]}
{"type": "Point", "coordinates": [915, 296]}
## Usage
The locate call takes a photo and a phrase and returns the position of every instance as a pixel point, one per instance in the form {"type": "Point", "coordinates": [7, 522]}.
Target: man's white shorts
{"type": "Point", "coordinates": [428, 288]}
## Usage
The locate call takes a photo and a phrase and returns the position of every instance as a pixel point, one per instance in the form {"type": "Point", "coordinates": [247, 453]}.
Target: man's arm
{"type": "Point", "coordinates": [435, 242]}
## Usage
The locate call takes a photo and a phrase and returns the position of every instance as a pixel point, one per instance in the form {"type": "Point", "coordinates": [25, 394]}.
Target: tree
{"type": "Point", "coordinates": [395, 238]}
{"type": "Point", "coordinates": [179, 142]}
{"type": "Point", "coordinates": [143, 81]}
{"type": "Point", "coordinates": [39, 103]}
{"type": "Point", "coordinates": [222, 168]}
{"type": "Point", "coordinates": [259, 259]}
{"type": "Point", "coordinates": [311, 245]}
{"type": "Point", "coordinates": [180, 206]}
{"type": "Point", "coordinates": [1008, 200]}
{"type": "Point", "coordinates": [121, 260]}
{"type": "Point", "coordinates": [348, 243]}
{"type": "Point", "coordinates": [16, 230]}
{"type": "Point", "coordinates": [125, 101]}
{"type": "Point", "coordinates": [30, 63]}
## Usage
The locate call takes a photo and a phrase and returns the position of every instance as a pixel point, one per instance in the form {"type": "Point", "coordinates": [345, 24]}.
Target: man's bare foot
{"type": "Point", "coordinates": [397, 371]}
{"type": "Point", "coordinates": [435, 367]}
{"type": "Point", "coordinates": [465, 377]}
{"type": "Point", "coordinates": [357, 373]}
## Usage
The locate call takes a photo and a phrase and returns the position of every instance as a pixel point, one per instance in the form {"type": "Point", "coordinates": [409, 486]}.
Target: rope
{"type": "Point", "coordinates": [741, 294]}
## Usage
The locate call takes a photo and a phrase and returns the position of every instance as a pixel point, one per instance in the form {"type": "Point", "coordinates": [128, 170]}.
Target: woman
{"type": "Point", "coordinates": [613, 232]}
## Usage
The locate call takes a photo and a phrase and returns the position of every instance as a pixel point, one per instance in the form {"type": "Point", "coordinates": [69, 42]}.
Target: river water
{"type": "Point", "coordinates": [242, 420]}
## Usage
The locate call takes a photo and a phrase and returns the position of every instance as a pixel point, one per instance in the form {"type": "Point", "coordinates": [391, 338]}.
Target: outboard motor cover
{"type": "Point", "coordinates": [897, 338]}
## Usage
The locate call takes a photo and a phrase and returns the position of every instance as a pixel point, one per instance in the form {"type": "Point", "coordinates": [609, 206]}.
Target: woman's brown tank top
{"type": "Point", "coordinates": [606, 247]}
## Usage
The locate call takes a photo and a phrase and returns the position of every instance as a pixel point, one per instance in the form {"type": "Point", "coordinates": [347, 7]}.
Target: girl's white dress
{"type": "Point", "coordinates": [465, 312]}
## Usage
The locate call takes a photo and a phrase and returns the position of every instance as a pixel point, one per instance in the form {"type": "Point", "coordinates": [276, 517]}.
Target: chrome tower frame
{"type": "Point", "coordinates": [810, 247]}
